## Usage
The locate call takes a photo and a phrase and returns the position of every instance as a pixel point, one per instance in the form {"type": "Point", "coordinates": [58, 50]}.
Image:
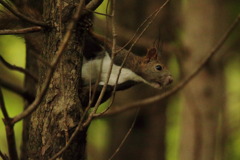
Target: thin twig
{"type": "Point", "coordinates": [102, 14]}
{"type": "Point", "coordinates": [22, 16]}
{"type": "Point", "coordinates": [54, 63]}
{"type": "Point", "coordinates": [20, 69]}
{"type": "Point", "coordinates": [126, 136]}
{"type": "Point", "coordinates": [99, 100]}
{"type": "Point", "coordinates": [21, 31]}
{"type": "Point", "coordinates": [2, 106]}
{"type": "Point", "coordinates": [12, 149]}
{"type": "Point", "coordinates": [152, 16]}
{"type": "Point", "coordinates": [91, 6]}
{"type": "Point", "coordinates": [4, 156]}
{"type": "Point", "coordinates": [143, 103]}
{"type": "Point", "coordinates": [16, 89]}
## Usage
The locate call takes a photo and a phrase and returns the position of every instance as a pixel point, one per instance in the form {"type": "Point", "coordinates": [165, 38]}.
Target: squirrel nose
{"type": "Point", "coordinates": [169, 80]}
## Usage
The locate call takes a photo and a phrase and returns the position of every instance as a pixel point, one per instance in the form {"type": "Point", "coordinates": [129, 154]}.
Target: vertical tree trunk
{"type": "Point", "coordinates": [51, 125]}
{"type": "Point", "coordinates": [205, 95]}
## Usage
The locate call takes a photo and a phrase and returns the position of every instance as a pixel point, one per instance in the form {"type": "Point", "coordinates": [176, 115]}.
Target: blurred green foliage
{"type": "Point", "coordinates": [12, 49]}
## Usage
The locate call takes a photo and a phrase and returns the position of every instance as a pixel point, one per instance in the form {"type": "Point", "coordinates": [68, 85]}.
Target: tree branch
{"type": "Point", "coordinates": [20, 31]}
{"type": "Point", "coordinates": [20, 69]}
{"type": "Point", "coordinates": [2, 106]}
{"type": "Point", "coordinates": [126, 136]}
{"type": "Point", "coordinates": [150, 20]}
{"type": "Point", "coordinates": [92, 5]}
{"type": "Point", "coordinates": [4, 156]}
{"type": "Point", "coordinates": [9, 130]}
{"type": "Point", "coordinates": [16, 89]}
{"type": "Point", "coordinates": [143, 103]}
{"type": "Point", "coordinates": [22, 16]}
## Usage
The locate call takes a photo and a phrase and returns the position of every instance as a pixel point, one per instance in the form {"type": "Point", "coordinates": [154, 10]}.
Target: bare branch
{"type": "Point", "coordinates": [2, 106]}
{"type": "Point", "coordinates": [16, 89]}
{"type": "Point", "coordinates": [124, 34]}
{"type": "Point", "coordinates": [20, 69]}
{"type": "Point", "coordinates": [92, 5]}
{"type": "Point", "coordinates": [126, 136]}
{"type": "Point", "coordinates": [20, 31]}
{"type": "Point", "coordinates": [54, 63]}
{"type": "Point", "coordinates": [9, 130]}
{"type": "Point", "coordinates": [143, 103]}
{"type": "Point", "coordinates": [150, 20]}
{"type": "Point", "coordinates": [4, 156]}
{"type": "Point", "coordinates": [113, 49]}
{"type": "Point", "coordinates": [22, 16]}
{"type": "Point", "coordinates": [102, 14]}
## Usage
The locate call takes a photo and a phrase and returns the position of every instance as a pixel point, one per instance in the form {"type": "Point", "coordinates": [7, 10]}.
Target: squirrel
{"type": "Point", "coordinates": [136, 69]}
{"type": "Point", "coordinates": [148, 69]}
{"type": "Point", "coordinates": [97, 59]}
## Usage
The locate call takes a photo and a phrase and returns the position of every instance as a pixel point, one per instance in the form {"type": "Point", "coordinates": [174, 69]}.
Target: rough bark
{"type": "Point", "coordinates": [205, 94]}
{"type": "Point", "coordinates": [49, 128]}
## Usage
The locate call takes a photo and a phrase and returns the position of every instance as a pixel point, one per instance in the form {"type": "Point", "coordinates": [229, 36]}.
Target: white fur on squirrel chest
{"type": "Point", "coordinates": [91, 70]}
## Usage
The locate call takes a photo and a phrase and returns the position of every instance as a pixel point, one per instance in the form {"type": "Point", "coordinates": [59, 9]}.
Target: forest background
{"type": "Point", "coordinates": [201, 122]}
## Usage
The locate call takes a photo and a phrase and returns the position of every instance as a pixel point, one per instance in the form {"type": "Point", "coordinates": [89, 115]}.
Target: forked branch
{"type": "Point", "coordinates": [11, 142]}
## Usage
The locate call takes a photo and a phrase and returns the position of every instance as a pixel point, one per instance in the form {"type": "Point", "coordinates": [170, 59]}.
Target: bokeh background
{"type": "Point", "coordinates": [201, 122]}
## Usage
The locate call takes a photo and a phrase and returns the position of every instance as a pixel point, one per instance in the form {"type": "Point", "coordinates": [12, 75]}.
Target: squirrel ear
{"type": "Point", "coordinates": [152, 54]}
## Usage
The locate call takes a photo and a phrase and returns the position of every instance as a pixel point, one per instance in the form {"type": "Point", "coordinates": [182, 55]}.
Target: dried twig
{"type": "Point", "coordinates": [102, 14]}
{"type": "Point", "coordinates": [126, 136]}
{"type": "Point", "coordinates": [3, 107]}
{"type": "Point", "coordinates": [149, 19]}
{"type": "Point", "coordinates": [143, 103]}
{"type": "Point", "coordinates": [20, 69]}
{"type": "Point", "coordinates": [20, 31]}
{"type": "Point", "coordinates": [16, 89]}
{"type": "Point", "coordinates": [91, 6]}
{"type": "Point", "coordinates": [9, 130]}
{"type": "Point", "coordinates": [22, 16]}
{"type": "Point", "coordinates": [51, 70]}
{"type": "Point", "coordinates": [4, 156]}
{"type": "Point", "coordinates": [110, 68]}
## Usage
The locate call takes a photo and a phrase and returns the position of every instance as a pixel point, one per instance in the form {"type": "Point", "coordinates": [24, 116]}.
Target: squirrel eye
{"type": "Point", "coordinates": [158, 67]}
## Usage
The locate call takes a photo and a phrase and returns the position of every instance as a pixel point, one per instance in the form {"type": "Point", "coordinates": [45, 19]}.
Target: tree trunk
{"type": "Point", "coordinates": [205, 94]}
{"type": "Point", "coordinates": [49, 128]}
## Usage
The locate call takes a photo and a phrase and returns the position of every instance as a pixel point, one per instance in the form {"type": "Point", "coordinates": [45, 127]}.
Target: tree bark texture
{"type": "Point", "coordinates": [49, 128]}
{"type": "Point", "coordinates": [203, 24]}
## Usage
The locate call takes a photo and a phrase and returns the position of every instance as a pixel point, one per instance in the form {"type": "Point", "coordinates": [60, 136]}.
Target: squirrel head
{"type": "Point", "coordinates": [153, 71]}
